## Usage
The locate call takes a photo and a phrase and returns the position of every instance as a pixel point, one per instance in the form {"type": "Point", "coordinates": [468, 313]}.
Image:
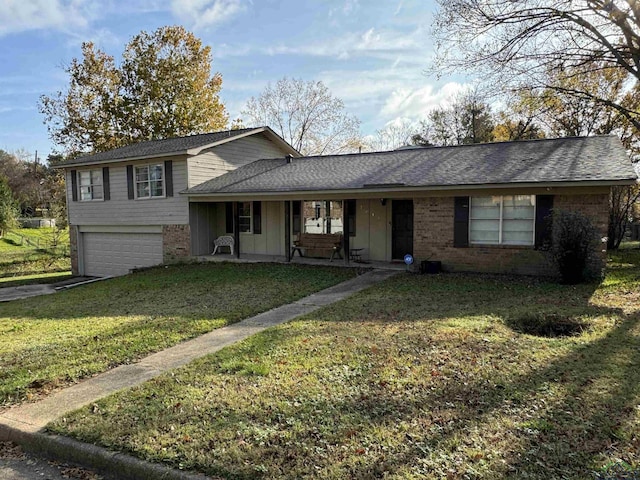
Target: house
{"type": "Point", "coordinates": [474, 208]}
{"type": "Point", "coordinates": [124, 206]}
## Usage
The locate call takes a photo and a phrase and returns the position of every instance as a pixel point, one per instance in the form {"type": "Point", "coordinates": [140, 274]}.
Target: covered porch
{"type": "Point", "coordinates": [369, 231]}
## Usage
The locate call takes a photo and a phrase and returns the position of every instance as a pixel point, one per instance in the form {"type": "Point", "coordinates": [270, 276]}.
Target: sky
{"type": "Point", "coordinates": [372, 54]}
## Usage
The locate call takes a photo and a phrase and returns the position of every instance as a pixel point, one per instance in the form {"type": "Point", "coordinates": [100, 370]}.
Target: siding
{"type": "Point", "coordinates": [122, 211]}
{"type": "Point", "coordinates": [208, 223]}
{"type": "Point", "coordinates": [229, 156]}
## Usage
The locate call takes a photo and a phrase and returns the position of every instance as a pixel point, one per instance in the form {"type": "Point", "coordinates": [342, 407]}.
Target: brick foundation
{"type": "Point", "coordinates": [433, 237]}
{"type": "Point", "coordinates": [176, 242]}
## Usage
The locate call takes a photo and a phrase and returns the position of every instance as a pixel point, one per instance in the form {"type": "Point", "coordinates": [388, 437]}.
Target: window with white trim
{"type": "Point", "coordinates": [502, 220]}
{"type": "Point", "coordinates": [245, 218]}
{"type": "Point", "coordinates": [149, 181]}
{"type": "Point", "coordinates": [90, 185]}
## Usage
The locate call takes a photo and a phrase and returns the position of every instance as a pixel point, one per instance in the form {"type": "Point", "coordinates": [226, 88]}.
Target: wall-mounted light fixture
{"type": "Point", "coordinates": [383, 201]}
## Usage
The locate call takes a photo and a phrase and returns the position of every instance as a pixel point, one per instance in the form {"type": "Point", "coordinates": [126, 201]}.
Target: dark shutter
{"type": "Point", "coordinates": [257, 218]}
{"type": "Point", "coordinates": [130, 194]}
{"type": "Point", "coordinates": [544, 206]}
{"type": "Point", "coordinates": [74, 185]}
{"type": "Point", "coordinates": [297, 217]}
{"type": "Point", "coordinates": [168, 178]}
{"type": "Point", "coordinates": [228, 213]}
{"type": "Point", "coordinates": [461, 222]}
{"type": "Point", "coordinates": [106, 190]}
{"type": "Point", "coordinates": [351, 217]}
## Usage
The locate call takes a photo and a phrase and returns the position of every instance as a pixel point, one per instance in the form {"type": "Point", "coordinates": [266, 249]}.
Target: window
{"type": "Point", "coordinates": [244, 214]}
{"type": "Point", "coordinates": [502, 220]}
{"type": "Point", "coordinates": [149, 181]}
{"type": "Point", "coordinates": [90, 185]}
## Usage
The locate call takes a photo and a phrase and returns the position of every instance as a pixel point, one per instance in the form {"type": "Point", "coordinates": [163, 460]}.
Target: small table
{"type": "Point", "coordinates": [355, 254]}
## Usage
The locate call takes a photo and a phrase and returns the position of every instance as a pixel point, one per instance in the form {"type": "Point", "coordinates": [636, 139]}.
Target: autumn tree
{"type": "Point", "coordinates": [162, 88]}
{"type": "Point", "coordinates": [517, 44]}
{"type": "Point", "coordinates": [306, 115]}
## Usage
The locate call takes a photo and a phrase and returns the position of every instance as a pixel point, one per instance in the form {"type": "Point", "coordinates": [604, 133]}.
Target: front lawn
{"type": "Point", "coordinates": [419, 377]}
{"type": "Point", "coordinates": [57, 339]}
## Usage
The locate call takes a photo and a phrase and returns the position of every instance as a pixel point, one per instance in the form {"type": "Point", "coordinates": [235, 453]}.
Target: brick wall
{"type": "Point", "coordinates": [433, 237]}
{"type": "Point", "coordinates": [176, 242]}
{"type": "Point", "coordinates": [73, 248]}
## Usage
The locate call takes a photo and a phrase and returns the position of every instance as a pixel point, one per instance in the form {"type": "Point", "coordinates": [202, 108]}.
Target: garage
{"type": "Point", "coordinates": [116, 253]}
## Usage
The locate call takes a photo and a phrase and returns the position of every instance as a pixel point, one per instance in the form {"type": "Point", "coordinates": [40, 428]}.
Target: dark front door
{"type": "Point", "coordinates": [402, 228]}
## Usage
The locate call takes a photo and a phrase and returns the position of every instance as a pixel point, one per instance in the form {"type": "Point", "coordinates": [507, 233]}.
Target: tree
{"type": "Point", "coordinates": [466, 120]}
{"type": "Point", "coordinates": [306, 115]}
{"type": "Point", "coordinates": [519, 119]}
{"type": "Point", "coordinates": [518, 43]}
{"type": "Point", "coordinates": [623, 200]}
{"type": "Point", "coordinates": [23, 178]}
{"type": "Point", "coordinates": [163, 88]}
{"type": "Point", "coordinates": [8, 210]}
{"type": "Point", "coordinates": [392, 136]}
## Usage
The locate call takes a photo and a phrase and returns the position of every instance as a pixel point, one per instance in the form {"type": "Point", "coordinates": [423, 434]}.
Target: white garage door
{"type": "Point", "coordinates": [117, 253]}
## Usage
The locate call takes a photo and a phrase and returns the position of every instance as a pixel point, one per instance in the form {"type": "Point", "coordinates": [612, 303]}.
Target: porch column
{"type": "Point", "coordinates": [236, 228]}
{"type": "Point", "coordinates": [287, 229]}
{"type": "Point", "coordinates": [345, 231]}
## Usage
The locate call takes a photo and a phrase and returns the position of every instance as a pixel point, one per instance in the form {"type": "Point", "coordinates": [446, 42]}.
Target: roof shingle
{"type": "Point", "coordinates": [163, 147]}
{"type": "Point", "coordinates": [574, 159]}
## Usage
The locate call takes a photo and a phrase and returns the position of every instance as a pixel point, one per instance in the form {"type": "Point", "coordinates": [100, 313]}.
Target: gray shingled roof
{"type": "Point", "coordinates": [575, 159]}
{"type": "Point", "coordinates": [169, 146]}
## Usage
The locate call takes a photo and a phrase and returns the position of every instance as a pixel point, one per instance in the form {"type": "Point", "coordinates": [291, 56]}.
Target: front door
{"type": "Point", "coordinates": [402, 228]}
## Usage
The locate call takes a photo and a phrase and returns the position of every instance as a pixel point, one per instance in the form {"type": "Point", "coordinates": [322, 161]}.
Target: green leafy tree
{"type": "Point", "coordinates": [163, 88]}
{"type": "Point", "coordinates": [8, 210]}
{"type": "Point", "coordinates": [306, 115]}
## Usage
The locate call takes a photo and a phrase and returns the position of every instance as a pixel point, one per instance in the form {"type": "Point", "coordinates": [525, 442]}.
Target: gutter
{"type": "Point", "coordinates": [377, 190]}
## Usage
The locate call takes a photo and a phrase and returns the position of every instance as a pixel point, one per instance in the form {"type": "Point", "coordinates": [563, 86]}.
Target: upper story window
{"type": "Point", "coordinates": [149, 181]}
{"type": "Point", "coordinates": [502, 220]}
{"type": "Point", "coordinates": [90, 185]}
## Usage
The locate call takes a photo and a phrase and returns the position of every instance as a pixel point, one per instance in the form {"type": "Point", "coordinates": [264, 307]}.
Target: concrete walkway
{"type": "Point", "coordinates": [8, 294]}
{"type": "Point", "coordinates": [22, 422]}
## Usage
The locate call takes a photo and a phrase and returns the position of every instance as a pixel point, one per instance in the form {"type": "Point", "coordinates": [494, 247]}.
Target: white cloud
{"type": "Point", "coordinates": [374, 43]}
{"type": "Point", "coordinates": [203, 14]}
{"type": "Point", "coordinates": [65, 15]}
{"type": "Point", "coordinates": [349, 7]}
{"type": "Point", "coordinates": [416, 102]}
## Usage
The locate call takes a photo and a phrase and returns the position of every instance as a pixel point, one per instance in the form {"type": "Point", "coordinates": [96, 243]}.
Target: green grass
{"type": "Point", "coordinates": [29, 251]}
{"type": "Point", "coordinates": [419, 377]}
{"type": "Point", "coordinates": [54, 340]}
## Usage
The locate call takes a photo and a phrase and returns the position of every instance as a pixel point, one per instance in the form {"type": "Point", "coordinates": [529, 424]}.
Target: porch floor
{"type": "Point", "coordinates": [337, 262]}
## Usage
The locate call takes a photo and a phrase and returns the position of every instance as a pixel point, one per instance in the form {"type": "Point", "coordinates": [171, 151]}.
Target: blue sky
{"type": "Point", "coordinates": [372, 54]}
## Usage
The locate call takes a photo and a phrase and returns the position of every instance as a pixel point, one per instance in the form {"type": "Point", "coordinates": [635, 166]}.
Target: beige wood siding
{"type": "Point", "coordinates": [122, 211]}
{"type": "Point", "coordinates": [229, 156]}
{"type": "Point", "coordinates": [271, 240]}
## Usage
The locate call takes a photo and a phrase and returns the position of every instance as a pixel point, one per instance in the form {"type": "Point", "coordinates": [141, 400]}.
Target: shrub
{"type": "Point", "coordinates": [574, 243]}
{"type": "Point", "coordinates": [547, 324]}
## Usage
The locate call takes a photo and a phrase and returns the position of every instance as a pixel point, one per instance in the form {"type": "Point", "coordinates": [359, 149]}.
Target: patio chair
{"type": "Point", "coordinates": [223, 241]}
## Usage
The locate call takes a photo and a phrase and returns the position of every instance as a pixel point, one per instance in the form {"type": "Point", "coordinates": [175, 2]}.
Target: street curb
{"type": "Point", "coordinates": [105, 462]}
